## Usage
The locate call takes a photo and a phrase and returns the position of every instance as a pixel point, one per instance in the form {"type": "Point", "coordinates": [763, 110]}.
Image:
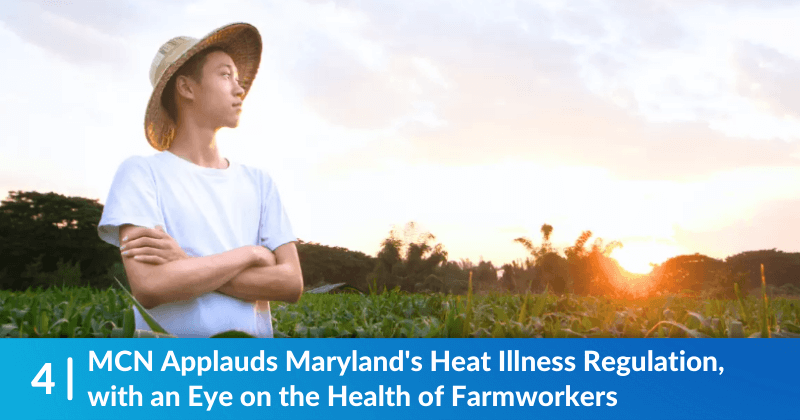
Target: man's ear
{"type": "Point", "coordinates": [184, 87]}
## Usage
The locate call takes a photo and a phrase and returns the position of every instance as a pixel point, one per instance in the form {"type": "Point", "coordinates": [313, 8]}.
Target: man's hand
{"type": "Point", "coordinates": [275, 280]}
{"type": "Point", "coordinates": [152, 246]}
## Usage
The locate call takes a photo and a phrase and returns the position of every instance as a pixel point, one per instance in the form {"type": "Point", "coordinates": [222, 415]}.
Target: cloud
{"type": "Point", "coordinates": [515, 90]}
{"type": "Point", "coordinates": [768, 77]}
{"type": "Point", "coordinates": [80, 42]}
{"type": "Point", "coordinates": [572, 129]}
{"type": "Point", "coordinates": [643, 24]}
{"type": "Point", "coordinates": [344, 90]}
{"type": "Point", "coordinates": [119, 18]}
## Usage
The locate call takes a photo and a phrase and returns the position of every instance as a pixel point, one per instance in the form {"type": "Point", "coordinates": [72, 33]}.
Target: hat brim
{"type": "Point", "coordinates": [240, 40]}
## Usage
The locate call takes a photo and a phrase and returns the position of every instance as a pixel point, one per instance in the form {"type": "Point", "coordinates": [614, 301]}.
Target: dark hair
{"type": "Point", "coordinates": [192, 68]}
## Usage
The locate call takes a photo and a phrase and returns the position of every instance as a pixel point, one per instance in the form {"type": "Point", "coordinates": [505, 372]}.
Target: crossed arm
{"type": "Point", "coordinates": [160, 272]}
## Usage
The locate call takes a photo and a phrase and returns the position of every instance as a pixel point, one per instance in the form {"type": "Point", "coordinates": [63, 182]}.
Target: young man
{"type": "Point", "coordinates": [192, 227]}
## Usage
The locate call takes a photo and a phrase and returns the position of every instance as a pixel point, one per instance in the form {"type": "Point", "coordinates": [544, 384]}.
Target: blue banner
{"type": "Point", "coordinates": [399, 378]}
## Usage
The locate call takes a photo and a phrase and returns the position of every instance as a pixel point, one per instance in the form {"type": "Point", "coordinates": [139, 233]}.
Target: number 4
{"type": "Point", "coordinates": [45, 370]}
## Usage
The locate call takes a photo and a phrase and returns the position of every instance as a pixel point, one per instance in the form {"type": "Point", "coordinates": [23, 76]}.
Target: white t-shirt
{"type": "Point", "coordinates": [207, 211]}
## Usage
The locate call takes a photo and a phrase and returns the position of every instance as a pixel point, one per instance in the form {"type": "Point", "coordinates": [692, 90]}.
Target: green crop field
{"type": "Point", "coordinates": [86, 312]}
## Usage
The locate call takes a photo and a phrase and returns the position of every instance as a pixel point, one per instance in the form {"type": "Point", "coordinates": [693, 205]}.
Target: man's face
{"type": "Point", "coordinates": [218, 96]}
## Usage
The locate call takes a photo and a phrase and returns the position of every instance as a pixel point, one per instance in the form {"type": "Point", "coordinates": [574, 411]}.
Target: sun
{"type": "Point", "coordinates": [637, 257]}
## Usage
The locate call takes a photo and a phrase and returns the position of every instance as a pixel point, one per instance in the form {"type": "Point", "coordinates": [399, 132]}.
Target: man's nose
{"type": "Point", "coordinates": [238, 90]}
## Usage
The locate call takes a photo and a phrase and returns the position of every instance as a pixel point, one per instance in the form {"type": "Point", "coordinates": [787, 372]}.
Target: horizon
{"type": "Point", "coordinates": [672, 128]}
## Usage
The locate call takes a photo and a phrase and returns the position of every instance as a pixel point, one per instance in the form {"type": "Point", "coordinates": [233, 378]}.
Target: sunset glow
{"type": "Point", "coordinates": [637, 257]}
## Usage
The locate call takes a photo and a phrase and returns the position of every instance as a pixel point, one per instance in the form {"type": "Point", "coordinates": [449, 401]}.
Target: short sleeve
{"type": "Point", "coordinates": [132, 199]}
{"type": "Point", "coordinates": [275, 229]}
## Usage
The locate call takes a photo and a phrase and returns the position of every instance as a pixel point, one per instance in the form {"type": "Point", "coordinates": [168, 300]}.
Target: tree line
{"type": "Point", "coordinates": [48, 239]}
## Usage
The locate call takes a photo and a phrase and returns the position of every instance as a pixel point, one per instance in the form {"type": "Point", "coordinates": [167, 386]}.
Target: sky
{"type": "Point", "coordinates": [670, 126]}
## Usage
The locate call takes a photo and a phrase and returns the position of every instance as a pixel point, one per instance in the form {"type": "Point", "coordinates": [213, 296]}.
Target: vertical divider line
{"type": "Point", "coordinates": [69, 378]}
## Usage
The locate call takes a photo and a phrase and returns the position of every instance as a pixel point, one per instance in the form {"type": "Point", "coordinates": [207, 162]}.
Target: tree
{"type": "Point", "coordinates": [519, 276]}
{"type": "Point", "coordinates": [688, 272]}
{"type": "Point", "coordinates": [593, 271]}
{"type": "Point", "coordinates": [451, 278]}
{"type": "Point", "coordinates": [779, 267]}
{"type": "Point", "coordinates": [585, 271]}
{"type": "Point", "coordinates": [484, 276]}
{"type": "Point", "coordinates": [538, 252]}
{"type": "Point", "coordinates": [551, 268]}
{"type": "Point", "coordinates": [55, 228]}
{"type": "Point", "coordinates": [408, 260]}
{"type": "Point", "coordinates": [333, 264]}
{"type": "Point", "coordinates": [580, 268]}
{"type": "Point", "coordinates": [605, 274]}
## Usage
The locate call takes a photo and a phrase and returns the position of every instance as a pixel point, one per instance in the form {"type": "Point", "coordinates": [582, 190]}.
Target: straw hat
{"type": "Point", "coordinates": [241, 40]}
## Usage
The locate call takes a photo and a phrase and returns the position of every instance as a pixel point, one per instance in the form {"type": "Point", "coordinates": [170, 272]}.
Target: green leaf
{"type": "Point", "coordinates": [146, 315]}
{"type": "Point", "coordinates": [689, 332]}
{"type": "Point", "coordinates": [696, 320]}
{"type": "Point", "coordinates": [523, 310]}
{"type": "Point", "coordinates": [765, 312]}
{"type": "Point", "coordinates": [498, 331]}
{"type": "Point", "coordinates": [735, 330]}
{"type": "Point", "coordinates": [6, 329]}
{"type": "Point", "coordinates": [73, 325]}
{"type": "Point", "coordinates": [499, 313]}
{"type": "Point", "coordinates": [53, 329]}
{"type": "Point", "coordinates": [87, 319]}
{"type": "Point", "coordinates": [70, 306]}
{"type": "Point", "coordinates": [44, 323]}
{"type": "Point", "coordinates": [128, 323]}
{"type": "Point", "coordinates": [325, 289]}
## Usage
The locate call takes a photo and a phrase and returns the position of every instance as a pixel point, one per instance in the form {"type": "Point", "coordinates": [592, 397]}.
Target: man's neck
{"type": "Point", "coordinates": [197, 144]}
